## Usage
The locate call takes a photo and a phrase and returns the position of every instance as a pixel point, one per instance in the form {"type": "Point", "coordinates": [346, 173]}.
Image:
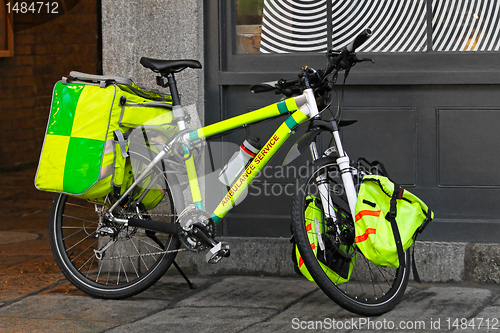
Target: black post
{"type": "Point", "coordinates": [172, 84]}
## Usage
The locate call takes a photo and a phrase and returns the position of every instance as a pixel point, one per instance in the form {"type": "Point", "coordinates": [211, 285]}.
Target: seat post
{"type": "Point", "coordinates": [172, 85]}
{"type": "Point", "coordinates": [177, 109]}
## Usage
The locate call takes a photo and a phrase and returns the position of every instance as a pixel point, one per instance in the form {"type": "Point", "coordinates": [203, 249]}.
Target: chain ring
{"type": "Point", "coordinates": [189, 218]}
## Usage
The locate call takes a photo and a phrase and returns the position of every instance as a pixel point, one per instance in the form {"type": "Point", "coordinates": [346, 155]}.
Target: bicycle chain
{"type": "Point", "coordinates": [146, 254]}
{"type": "Point", "coordinates": [136, 215]}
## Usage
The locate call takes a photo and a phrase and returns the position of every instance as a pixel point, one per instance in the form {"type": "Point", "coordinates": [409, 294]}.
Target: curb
{"type": "Point", "coordinates": [436, 261]}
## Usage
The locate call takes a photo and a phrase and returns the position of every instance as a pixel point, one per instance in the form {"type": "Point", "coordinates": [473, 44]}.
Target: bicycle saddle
{"type": "Point", "coordinates": [168, 66]}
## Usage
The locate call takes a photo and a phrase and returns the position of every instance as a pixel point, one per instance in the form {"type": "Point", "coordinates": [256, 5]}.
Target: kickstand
{"type": "Point", "coordinates": [191, 285]}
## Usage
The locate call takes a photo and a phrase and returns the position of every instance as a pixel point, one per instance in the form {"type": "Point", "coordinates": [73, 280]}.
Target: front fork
{"type": "Point", "coordinates": [346, 174]}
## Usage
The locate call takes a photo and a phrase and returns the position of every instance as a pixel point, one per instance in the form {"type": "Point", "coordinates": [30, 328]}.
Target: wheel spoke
{"type": "Point", "coordinates": [130, 263]}
{"type": "Point", "coordinates": [80, 206]}
{"type": "Point", "coordinates": [79, 218]}
{"type": "Point", "coordinates": [147, 243]}
{"type": "Point", "coordinates": [139, 253]}
{"type": "Point", "coordinates": [82, 252]}
{"type": "Point", "coordinates": [81, 229]}
{"type": "Point", "coordinates": [122, 265]}
{"type": "Point", "coordinates": [82, 240]}
{"type": "Point", "coordinates": [90, 266]}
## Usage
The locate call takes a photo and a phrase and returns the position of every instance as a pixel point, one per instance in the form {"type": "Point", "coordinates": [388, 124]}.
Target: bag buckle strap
{"type": "Point", "coordinates": [397, 194]}
{"type": "Point", "coordinates": [120, 138]}
{"type": "Point", "coordinates": [425, 223]}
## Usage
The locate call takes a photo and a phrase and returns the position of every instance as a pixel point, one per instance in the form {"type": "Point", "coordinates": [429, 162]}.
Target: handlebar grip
{"type": "Point", "coordinates": [359, 40]}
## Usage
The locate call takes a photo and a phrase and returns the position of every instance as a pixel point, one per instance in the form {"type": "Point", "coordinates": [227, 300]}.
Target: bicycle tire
{"type": "Point", "coordinates": [73, 225]}
{"type": "Point", "coordinates": [355, 295]}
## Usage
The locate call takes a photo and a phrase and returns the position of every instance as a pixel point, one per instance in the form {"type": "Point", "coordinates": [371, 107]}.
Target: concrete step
{"type": "Point", "coordinates": [436, 261]}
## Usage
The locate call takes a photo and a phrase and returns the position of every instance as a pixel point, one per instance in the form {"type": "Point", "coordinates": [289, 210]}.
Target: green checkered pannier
{"type": "Point", "coordinates": [85, 148]}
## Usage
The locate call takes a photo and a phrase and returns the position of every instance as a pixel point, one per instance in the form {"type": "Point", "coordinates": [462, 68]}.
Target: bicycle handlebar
{"type": "Point", "coordinates": [346, 58]}
{"type": "Point", "coordinates": [286, 87]}
{"type": "Point", "coordinates": [343, 59]}
{"type": "Point", "coordinates": [359, 40]}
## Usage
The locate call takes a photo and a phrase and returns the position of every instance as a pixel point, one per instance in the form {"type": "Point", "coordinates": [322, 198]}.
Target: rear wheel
{"type": "Point", "coordinates": [369, 290]}
{"type": "Point", "coordinates": [110, 260]}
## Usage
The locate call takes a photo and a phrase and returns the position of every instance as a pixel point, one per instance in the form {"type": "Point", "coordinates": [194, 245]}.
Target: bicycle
{"type": "Point", "coordinates": [120, 246]}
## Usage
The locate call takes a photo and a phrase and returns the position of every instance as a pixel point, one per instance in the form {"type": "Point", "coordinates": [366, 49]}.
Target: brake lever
{"type": "Point", "coordinates": [288, 91]}
{"type": "Point", "coordinates": [280, 86]}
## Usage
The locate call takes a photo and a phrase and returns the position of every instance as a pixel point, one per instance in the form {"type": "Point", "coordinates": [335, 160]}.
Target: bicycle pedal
{"type": "Point", "coordinates": [216, 253]}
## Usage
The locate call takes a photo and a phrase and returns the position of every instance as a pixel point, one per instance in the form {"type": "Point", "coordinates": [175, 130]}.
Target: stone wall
{"type": "Point", "coordinates": [162, 29]}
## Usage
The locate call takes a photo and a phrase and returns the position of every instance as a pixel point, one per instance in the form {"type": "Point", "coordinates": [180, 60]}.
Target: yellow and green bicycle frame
{"type": "Point", "coordinates": [298, 111]}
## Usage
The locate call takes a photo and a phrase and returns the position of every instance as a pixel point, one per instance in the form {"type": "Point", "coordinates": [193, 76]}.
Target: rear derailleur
{"type": "Point", "coordinates": [106, 231]}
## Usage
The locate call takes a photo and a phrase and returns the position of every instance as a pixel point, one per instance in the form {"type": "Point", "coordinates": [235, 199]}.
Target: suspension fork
{"type": "Point", "coordinates": [346, 174]}
{"type": "Point", "coordinates": [345, 171]}
{"type": "Point", "coordinates": [322, 183]}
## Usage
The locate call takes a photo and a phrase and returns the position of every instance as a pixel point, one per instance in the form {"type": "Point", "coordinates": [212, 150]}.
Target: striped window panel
{"type": "Point", "coordinates": [466, 25]}
{"type": "Point", "coordinates": [294, 26]}
{"type": "Point", "coordinates": [397, 25]}
{"type": "Point", "coordinates": [301, 25]}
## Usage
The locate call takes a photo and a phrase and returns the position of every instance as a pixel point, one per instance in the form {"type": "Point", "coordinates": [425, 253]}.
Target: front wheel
{"type": "Point", "coordinates": [111, 260]}
{"type": "Point", "coordinates": [339, 268]}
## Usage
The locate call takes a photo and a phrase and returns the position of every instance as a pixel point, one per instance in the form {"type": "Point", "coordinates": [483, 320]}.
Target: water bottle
{"type": "Point", "coordinates": [239, 161]}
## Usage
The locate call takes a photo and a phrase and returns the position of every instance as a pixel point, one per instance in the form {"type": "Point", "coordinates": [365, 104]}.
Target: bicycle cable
{"type": "Point", "coordinates": [340, 106]}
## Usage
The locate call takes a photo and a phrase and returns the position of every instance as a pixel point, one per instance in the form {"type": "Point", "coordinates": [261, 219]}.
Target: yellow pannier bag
{"type": "Point", "coordinates": [85, 147]}
{"type": "Point", "coordinates": [374, 220]}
